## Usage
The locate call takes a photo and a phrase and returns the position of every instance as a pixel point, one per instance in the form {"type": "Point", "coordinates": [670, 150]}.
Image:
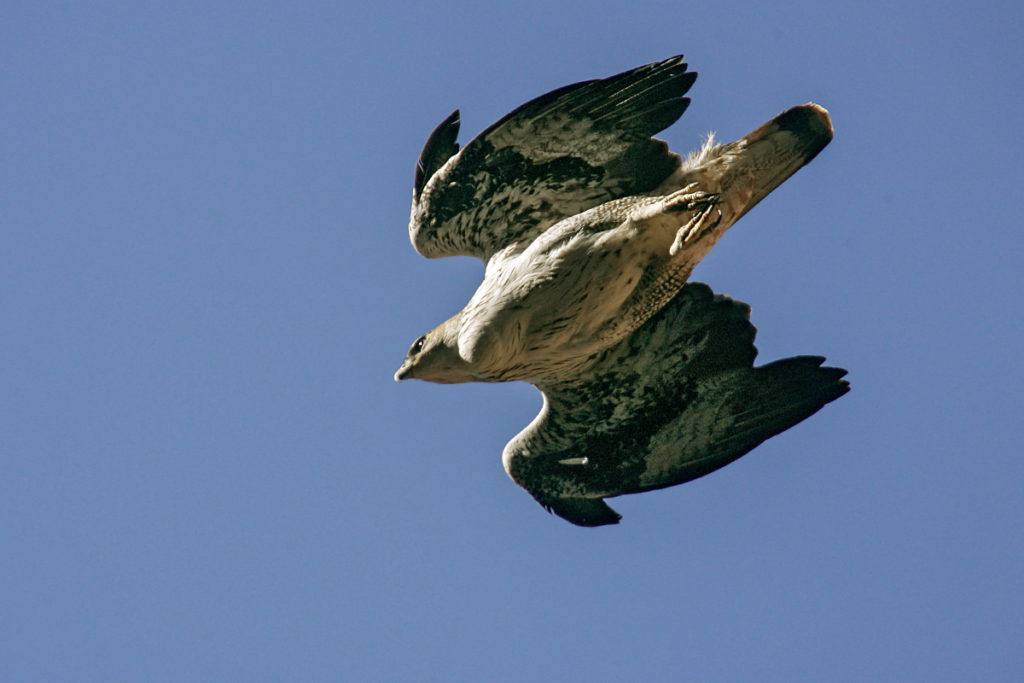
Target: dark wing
{"type": "Point", "coordinates": [553, 157]}
{"type": "Point", "coordinates": [673, 402]}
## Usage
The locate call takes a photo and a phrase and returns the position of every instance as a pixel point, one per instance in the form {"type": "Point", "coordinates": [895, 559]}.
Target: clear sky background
{"type": "Point", "coordinates": [206, 284]}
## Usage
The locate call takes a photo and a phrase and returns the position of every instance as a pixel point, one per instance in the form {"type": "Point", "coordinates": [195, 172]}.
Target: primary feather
{"type": "Point", "coordinates": [553, 157]}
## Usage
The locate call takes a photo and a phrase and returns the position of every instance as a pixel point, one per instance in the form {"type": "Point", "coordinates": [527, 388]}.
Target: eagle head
{"type": "Point", "coordinates": [435, 357]}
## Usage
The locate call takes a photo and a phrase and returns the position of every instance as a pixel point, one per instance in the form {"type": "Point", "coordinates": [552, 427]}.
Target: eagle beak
{"type": "Point", "coordinates": [404, 372]}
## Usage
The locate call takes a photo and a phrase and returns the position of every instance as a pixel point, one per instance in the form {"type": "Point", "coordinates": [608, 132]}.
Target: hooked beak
{"type": "Point", "coordinates": [404, 372]}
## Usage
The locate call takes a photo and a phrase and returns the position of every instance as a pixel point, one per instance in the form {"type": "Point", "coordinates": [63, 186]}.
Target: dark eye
{"type": "Point", "coordinates": [417, 345]}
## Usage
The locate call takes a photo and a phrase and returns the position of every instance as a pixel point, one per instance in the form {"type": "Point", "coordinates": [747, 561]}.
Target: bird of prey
{"type": "Point", "coordinates": [589, 229]}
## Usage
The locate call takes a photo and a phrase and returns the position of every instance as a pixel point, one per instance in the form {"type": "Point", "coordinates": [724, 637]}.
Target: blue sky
{"type": "Point", "coordinates": [206, 285]}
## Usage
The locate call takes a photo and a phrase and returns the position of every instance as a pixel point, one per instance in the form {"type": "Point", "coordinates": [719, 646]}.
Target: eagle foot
{"type": "Point", "coordinates": [704, 221]}
{"type": "Point", "coordinates": [689, 198]}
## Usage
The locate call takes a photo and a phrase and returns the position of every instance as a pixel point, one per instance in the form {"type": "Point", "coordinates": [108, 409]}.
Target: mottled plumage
{"type": "Point", "coordinates": [553, 157]}
{"type": "Point", "coordinates": [590, 229]}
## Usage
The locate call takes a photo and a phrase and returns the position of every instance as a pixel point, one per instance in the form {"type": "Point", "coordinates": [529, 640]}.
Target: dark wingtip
{"type": "Point", "coordinates": [441, 146]}
{"type": "Point", "coordinates": [807, 380]}
{"type": "Point", "coordinates": [584, 511]}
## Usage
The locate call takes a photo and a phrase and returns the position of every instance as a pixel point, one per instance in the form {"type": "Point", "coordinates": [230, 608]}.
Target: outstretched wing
{"type": "Point", "coordinates": [673, 402]}
{"type": "Point", "coordinates": [553, 157]}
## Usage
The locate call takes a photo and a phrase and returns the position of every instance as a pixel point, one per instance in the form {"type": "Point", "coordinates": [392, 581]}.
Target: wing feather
{"type": "Point", "coordinates": [555, 156]}
{"type": "Point", "coordinates": [439, 148]}
{"type": "Point", "coordinates": [678, 399]}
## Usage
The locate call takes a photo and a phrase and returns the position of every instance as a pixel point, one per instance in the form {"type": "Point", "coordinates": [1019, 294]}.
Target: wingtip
{"type": "Point", "coordinates": [441, 145]}
{"type": "Point", "coordinates": [588, 512]}
{"type": "Point", "coordinates": [454, 117]}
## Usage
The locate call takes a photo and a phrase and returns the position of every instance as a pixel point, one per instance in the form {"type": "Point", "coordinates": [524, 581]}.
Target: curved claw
{"type": "Point", "coordinates": [699, 225]}
{"type": "Point", "coordinates": [689, 199]}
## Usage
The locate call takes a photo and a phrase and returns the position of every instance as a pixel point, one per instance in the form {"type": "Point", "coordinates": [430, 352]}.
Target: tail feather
{"type": "Point", "coordinates": [784, 145]}
{"type": "Point", "coordinates": [744, 172]}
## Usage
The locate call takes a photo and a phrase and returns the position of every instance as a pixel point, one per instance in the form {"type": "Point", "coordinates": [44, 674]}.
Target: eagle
{"type": "Point", "coordinates": [590, 228]}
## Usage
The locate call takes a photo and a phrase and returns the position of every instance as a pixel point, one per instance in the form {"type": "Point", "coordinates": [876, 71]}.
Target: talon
{"type": "Point", "coordinates": [690, 199]}
{"type": "Point", "coordinates": [696, 226]}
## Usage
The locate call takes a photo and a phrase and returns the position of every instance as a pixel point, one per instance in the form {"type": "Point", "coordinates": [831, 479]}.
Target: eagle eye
{"type": "Point", "coordinates": [417, 345]}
